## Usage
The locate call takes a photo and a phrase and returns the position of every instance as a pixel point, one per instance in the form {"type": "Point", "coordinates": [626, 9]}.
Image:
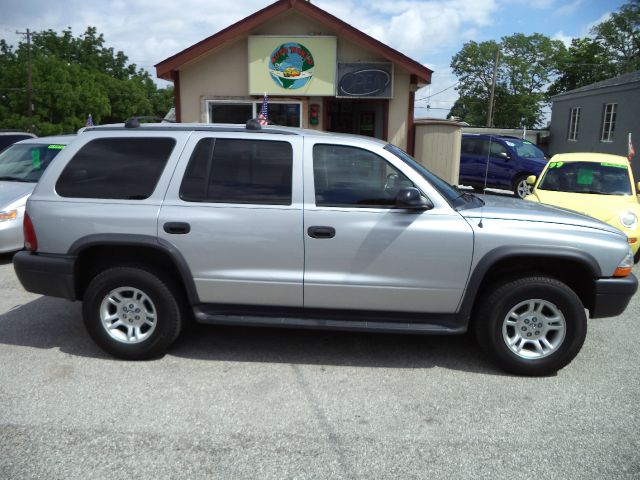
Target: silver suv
{"type": "Point", "coordinates": [152, 225]}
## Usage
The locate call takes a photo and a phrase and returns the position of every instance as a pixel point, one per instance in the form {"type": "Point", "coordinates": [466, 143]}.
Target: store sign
{"type": "Point", "coordinates": [292, 65]}
{"type": "Point", "coordinates": [365, 80]}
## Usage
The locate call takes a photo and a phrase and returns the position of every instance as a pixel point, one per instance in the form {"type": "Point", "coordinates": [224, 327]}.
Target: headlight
{"type": "Point", "coordinates": [5, 216]}
{"type": "Point", "coordinates": [629, 219]}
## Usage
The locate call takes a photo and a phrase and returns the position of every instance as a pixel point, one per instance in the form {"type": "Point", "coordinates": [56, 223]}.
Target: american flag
{"type": "Point", "coordinates": [89, 121]}
{"type": "Point", "coordinates": [263, 116]}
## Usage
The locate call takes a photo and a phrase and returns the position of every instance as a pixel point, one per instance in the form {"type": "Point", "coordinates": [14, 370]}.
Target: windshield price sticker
{"type": "Point", "coordinates": [56, 147]}
{"type": "Point", "coordinates": [556, 164]}
{"type": "Point", "coordinates": [605, 164]}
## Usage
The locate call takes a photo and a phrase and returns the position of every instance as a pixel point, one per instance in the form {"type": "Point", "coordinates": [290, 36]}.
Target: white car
{"type": "Point", "coordinates": [21, 166]}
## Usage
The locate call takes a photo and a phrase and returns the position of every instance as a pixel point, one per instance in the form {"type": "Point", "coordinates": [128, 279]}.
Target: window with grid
{"type": "Point", "coordinates": [574, 122]}
{"type": "Point", "coordinates": [609, 122]}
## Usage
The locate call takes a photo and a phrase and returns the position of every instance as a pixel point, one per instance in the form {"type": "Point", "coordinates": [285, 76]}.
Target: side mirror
{"type": "Point", "coordinates": [504, 156]}
{"type": "Point", "coordinates": [531, 179]}
{"type": "Point", "coordinates": [411, 198]}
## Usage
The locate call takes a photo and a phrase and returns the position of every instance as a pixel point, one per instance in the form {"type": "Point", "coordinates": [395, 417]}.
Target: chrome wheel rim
{"type": "Point", "coordinates": [524, 189]}
{"type": "Point", "coordinates": [534, 329]}
{"type": "Point", "coordinates": [128, 315]}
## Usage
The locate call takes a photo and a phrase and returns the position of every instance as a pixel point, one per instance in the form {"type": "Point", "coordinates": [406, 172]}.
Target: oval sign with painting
{"type": "Point", "coordinates": [291, 65]}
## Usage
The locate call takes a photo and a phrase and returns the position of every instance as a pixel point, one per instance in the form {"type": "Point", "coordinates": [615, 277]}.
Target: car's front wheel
{"type": "Point", "coordinates": [532, 325]}
{"type": "Point", "coordinates": [132, 312]}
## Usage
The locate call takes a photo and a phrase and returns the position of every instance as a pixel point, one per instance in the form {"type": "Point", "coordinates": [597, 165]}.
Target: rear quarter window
{"type": "Point", "coordinates": [116, 168]}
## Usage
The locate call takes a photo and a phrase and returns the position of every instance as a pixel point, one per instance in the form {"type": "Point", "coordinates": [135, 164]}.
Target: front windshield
{"type": "Point", "coordinates": [587, 177]}
{"type": "Point", "coordinates": [26, 162]}
{"type": "Point", "coordinates": [451, 194]}
{"type": "Point", "coordinates": [525, 149]}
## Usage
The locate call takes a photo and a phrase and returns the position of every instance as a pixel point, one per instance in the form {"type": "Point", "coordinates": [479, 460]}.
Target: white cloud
{"type": "Point", "coordinates": [569, 8]}
{"type": "Point", "coordinates": [587, 30]}
{"type": "Point", "coordinates": [416, 28]}
{"type": "Point", "coordinates": [537, 4]}
{"type": "Point", "coordinates": [563, 38]}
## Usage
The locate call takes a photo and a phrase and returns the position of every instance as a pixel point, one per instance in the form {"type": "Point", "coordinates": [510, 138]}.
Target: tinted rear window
{"type": "Point", "coordinates": [239, 171]}
{"type": "Point", "coordinates": [116, 168]}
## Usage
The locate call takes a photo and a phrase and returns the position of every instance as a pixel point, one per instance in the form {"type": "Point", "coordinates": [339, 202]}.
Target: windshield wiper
{"type": "Point", "coordinates": [468, 196]}
{"type": "Point", "coordinates": [16, 179]}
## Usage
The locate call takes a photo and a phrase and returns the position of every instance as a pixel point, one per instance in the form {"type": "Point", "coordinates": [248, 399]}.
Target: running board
{"type": "Point", "coordinates": [323, 324]}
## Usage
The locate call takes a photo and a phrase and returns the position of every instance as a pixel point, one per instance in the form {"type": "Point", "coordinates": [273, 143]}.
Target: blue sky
{"type": "Point", "coordinates": [430, 31]}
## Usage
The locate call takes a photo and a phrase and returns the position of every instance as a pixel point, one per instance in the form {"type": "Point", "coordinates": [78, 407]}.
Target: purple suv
{"type": "Point", "coordinates": [511, 161]}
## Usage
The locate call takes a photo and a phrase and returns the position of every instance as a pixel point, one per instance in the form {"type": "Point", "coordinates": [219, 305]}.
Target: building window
{"type": "Point", "coordinates": [226, 112]}
{"type": "Point", "coordinates": [574, 122]}
{"type": "Point", "coordinates": [285, 114]}
{"type": "Point", "coordinates": [609, 122]}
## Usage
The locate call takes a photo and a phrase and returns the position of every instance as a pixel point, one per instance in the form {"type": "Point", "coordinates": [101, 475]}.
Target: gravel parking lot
{"type": "Point", "coordinates": [267, 403]}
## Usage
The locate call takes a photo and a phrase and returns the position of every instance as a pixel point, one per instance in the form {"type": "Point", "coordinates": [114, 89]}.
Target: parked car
{"type": "Point", "coordinates": [150, 225]}
{"type": "Point", "coordinates": [504, 162]}
{"type": "Point", "coordinates": [9, 137]}
{"type": "Point", "coordinates": [21, 166]}
{"type": "Point", "coordinates": [595, 184]}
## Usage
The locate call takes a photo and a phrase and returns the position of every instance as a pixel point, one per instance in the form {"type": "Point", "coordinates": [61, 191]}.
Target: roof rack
{"type": "Point", "coordinates": [134, 122]}
{"type": "Point", "coordinates": [252, 125]}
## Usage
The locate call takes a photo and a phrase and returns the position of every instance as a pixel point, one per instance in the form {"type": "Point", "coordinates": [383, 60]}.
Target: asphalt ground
{"type": "Point", "coordinates": [229, 403]}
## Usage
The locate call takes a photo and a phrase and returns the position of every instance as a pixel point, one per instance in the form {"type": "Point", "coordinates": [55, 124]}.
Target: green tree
{"type": "Point", "coordinates": [619, 36]}
{"type": "Point", "coordinates": [72, 78]}
{"type": "Point", "coordinates": [585, 62]}
{"type": "Point", "coordinates": [526, 66]}
{"type": "Point", "coordinates": [613, 49]}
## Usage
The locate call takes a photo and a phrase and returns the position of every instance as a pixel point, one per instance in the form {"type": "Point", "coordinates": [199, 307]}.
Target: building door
{"type": "Point", "coordinates": [360, 117]}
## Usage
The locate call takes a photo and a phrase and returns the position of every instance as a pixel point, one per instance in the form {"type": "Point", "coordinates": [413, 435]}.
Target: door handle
{"type": "Point", "coordinates": [177, 228]}
{"type": "Point", "coordinates": [321, 232]}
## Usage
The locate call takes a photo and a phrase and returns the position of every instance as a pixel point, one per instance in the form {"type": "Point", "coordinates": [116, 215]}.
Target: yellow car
{"type": "Point", "coordinates": [595, 184]}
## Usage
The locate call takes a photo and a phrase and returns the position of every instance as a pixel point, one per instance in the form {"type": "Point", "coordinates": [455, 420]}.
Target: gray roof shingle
{"type": "Point", "coordinates": [632, 77]}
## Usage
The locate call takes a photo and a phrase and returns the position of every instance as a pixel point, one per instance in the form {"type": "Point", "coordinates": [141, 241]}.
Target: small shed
{"type": "Point", "coordinates": [438, 146]}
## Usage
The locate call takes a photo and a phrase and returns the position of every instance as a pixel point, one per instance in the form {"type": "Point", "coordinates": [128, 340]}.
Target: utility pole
{"type": "Point", "coordinates": [29, 84]}
{"type": "Point", "coordinates": [493, 89]}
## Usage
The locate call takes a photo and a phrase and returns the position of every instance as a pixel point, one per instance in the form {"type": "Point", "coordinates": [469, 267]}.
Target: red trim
{"type": "Point", "coordinates": [243, 27]}
{"type": "Point", "coordinates": [175, 75]}
{"type": "Point", "coordinates": [411, 131]}
{"type": "Point", "coordinates": [385, 127]}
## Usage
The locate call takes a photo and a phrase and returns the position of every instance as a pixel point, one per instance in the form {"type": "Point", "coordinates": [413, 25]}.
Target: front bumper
{"type": "Point", "coordinates": [51, 275]}
{"type": "Point", "coordinates": [613, 295]}
{"type": "Point", "coordinates": [11, 238]}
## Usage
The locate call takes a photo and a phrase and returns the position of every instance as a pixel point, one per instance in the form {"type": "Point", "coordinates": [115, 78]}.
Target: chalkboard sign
{"type": "Point", "coordinates": [365, 80]}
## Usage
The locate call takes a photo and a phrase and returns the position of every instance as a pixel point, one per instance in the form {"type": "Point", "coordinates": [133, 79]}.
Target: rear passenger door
{"type": "Point", "coordinates": [234, 211]}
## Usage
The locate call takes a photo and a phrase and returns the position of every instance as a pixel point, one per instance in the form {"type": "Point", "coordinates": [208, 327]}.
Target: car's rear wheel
{"type": "Point", "coordinates": [520, 186]}
{"type": "Point", "coordinates": [132, 313]}
{"type": "Point", "coordinates": [531, 326]}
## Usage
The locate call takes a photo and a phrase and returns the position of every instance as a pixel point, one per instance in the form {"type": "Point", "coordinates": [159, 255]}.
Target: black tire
{"type": "Point", "coordinates": [491, 316]}
{"type": "Point", "coordinates": [517, 191]}
{"type": "Point", "coordinates": [160, 299]}
{"type": "Point", "coordinates": [636, 257]}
